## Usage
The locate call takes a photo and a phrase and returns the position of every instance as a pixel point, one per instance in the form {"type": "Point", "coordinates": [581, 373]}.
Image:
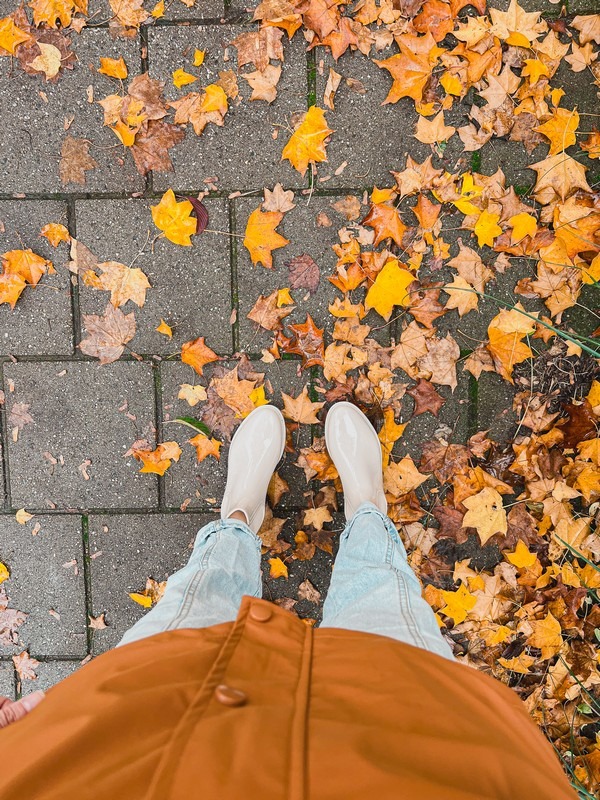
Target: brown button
{"type": "Point", "coordinates": [260, 613]}
{"type": "Point", "coordinates": [230, 696]}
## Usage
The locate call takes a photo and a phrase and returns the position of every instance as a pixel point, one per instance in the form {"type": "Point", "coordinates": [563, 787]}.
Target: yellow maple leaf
{"type": "Point", "coordinates": [434, 130]}
{"type": "Point", "coordinates": [461, 296]}
{"type": "Point", "coordinates": [11, 36]}
{"type": "Point", "coordinates": [458, 604]}
{"type": "Point", "coordinates": [4, 572]}
{"type": "Point", "coordinates": [591, 274]}
{"type": "Point", "coordinates": [402, 477]}
{"type": "Point", "coordinates": [159, 460]}
{"type": "Point", "coordinates": [25, 263]}
{"type": "Point", "coordinates": [199, 57]}
{"type": "Point", "coordinates": [515, 26]}
{"type": "Point", "coordinates": [485, 513]}
{"type": "Point", "coordinates": [141, 599]}
{"type": "Point", "coordinates": [55, 233]}
{"type": "Point", "coordinates": [174, 219]}
{"type": "Point", "coordinates": [546, 636]}
{"type": "Point", "coordinates": [486, 228]}
{"type": "Point", "coordinates": [307, 143]}
{"type": "Point", "coordinates": [113, 67]}
{"type": "Point", "coordinates": [51, 12]}
{"type": "Point", "coordinates": [284, 298]}
{"type": "Point", "coordinates": [11, 288]}
{"type": "Point", "coordinates": [158, 10]}
{"type": "Point", "coordinates": [301, 409]}
{"type": "Point", "coordinates": [183, 78]}
{"type": "Point", "coordinates": [165, 329]}
{"type": "Point", "coordinates": [389, 434]}
{"type": "Point", "coordinates": [205, 447]}
{"type": "Point", "coordinates": [560, 129]}
{"type": "Point", "coordinates": [521, 555]}
{"type": "Point", "coordinates": [389, 289]}
{"type": "Point", "coordinates": [197, 354]}
{"type": "Point", "coordinates": [278, 568]}
{"type": "Point", "coordinates": [523, 224]}
{"type": "Point", "coordinates": [258, 398]}
{"type": "Point", "coordinates": [505, 333]}
{"type": "Point", "coordinates": [261, 238]}
{"type": "Point", "coordinates": [593, 397]}
{"type": "Point", "coordinates": [534, 69]}
{"type": "Point", "coordinates": [518, 664]}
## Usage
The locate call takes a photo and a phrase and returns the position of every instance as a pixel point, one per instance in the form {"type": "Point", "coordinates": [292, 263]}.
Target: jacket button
{"type": "Point", "coordinates": [261, 613]}
{"type": "Point", "coordinates": [229, 696]}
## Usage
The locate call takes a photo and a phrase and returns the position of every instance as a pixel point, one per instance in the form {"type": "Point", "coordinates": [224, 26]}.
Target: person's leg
{"type": "Point", "coordinates": [223, 567]}
{"type": "Point", "coordinates": [374, 590]}
{"type": "Point", "coordinates": [225, 561]}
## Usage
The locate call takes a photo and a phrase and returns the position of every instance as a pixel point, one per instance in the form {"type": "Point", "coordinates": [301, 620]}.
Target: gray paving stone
{"type": "Point", "coordinates": [43, 578]}
{"type": "Point", "coordinates": [494, 407]}
{"type": "Point", "coordinates": [125, 551]}
{"type": "Point", "coordinates": [242, 153]}
{"type": "Point", "coordinates": [306, 237]}
{"type": "Point", "coordinates": [191, 286]}
{"type": "Point", "coordinates": [32, 132]}
{"type": "Point", "coordinates": [81, 411]}
{"type": "Point", "coordinates": [7, 679]}
{"type": "Point", "coordinates": [49, 673]}
{"type": "Point", "coordinates": [41, 321]}
{"type": "Point", "coordinates": [371, 137]}
{"type": "Point", "coordinates": [317, 570]}
{"type": "Point", "coordinates": [187, 479]}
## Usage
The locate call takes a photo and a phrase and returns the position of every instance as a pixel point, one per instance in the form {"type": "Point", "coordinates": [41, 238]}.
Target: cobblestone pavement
{"type": "Point", "coordinates": [102, 528]}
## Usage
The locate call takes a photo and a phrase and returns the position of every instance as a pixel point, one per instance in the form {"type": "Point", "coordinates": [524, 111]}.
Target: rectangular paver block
{"type": "Point", "coordinates": [85, 418]}
{"type": "Point", "coordinates": [32, 130]}
{"type": "Point", "coordinates": [243, 153]}
{"type": "Point", "coordinates": [46, 575]}
{"type": "Point", "coordinates": [41, 321]}
{"type": "Point", "coordinates": [191, 286]}
{"type": "Point", "coordinates": [127, 549]}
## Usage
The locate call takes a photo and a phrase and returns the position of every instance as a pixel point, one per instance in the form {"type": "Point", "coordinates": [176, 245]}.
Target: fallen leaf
{"type": "Point", "coordinates": [261, 238]}
{"type": "Point", "coordinates": [23, 516]}
{"type": "Point", "coordinates": [389, 289]}
{"type": "Point", "coordinates": [301, 409]}
{"type": "Point", "coordinates": [304, 273]}
{"type": "Point", "coordinates": [75, 161]}
{"type": "Point", "coordinates": [107, 334]}
{"type": "Point", "coordinates": [485, 513]}
{"type": "Point", "coordinates": [307, 143]}
{"type": "Point", "coordinates": [113, 67]}
{"type": "Point", "coordinates": [55, 233]}
{"type": "Point", "coordinates": [277, 568]}
{"type": "Point", "coordinates": [206, 446]}
{"type": "Point", "coordinates": [197, 354]}
{"type": "Point", "coordinates": [174, 219]}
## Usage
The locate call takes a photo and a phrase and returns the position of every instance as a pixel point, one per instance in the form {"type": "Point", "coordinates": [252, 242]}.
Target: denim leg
{"type": "Point", "coordinates": [374, 590]}
{"type": "Point", "coordinates": [223, 567]}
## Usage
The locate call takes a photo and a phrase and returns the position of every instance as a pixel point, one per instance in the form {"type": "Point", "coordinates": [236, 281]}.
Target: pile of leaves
{"type": "Point", "coordinates": [503, 534]}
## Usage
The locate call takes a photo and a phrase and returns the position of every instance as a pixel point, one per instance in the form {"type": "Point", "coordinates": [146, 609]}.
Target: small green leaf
{"type": "Point", "coordinates": [195, 424]}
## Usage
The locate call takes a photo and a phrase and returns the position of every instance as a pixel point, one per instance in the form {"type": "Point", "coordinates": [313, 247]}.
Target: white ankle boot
{"type": "Point", "coordinates": [355, 450]}
{"type": "Point", "coordinates": [255, 451]}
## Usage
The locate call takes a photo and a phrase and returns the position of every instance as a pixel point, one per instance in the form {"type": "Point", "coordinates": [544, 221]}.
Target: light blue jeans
{"type": "Point", "coordinates": [372, 589]}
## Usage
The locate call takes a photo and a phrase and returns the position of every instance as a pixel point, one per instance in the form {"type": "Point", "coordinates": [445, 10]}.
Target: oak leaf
{"type": "Point", "coordinates": [107, 334]}
{"type": "Point", "coordinates": [261, 238]}
{"type": "Point", "coordinates": [301, 409]}
{"type": "Point", "coordinates": [485, 513]}
{"type": "Point", "coordinates": [197, 354]}
{"type": "Point", "coordinates": [307, 143]}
